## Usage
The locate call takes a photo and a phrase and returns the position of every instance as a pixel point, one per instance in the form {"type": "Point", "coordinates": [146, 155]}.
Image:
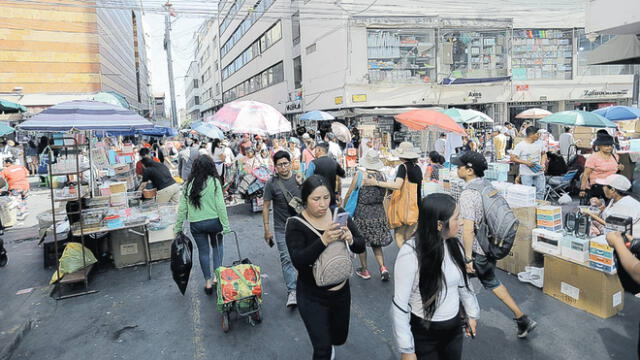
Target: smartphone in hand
{"type": "Point", "coordinates": [341, 219]}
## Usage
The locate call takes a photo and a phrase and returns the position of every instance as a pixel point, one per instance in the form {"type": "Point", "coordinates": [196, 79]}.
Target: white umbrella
{"type": "Point", "coordinates": [341, 132]}
{"type": "Point", "coordinates": [250, 117]}
{"type": "Point", "coordinates": [533, 113]}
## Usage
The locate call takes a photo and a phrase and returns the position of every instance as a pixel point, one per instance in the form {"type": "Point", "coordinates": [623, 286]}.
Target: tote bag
{"type": "Point", "coordinates": [403, 208]}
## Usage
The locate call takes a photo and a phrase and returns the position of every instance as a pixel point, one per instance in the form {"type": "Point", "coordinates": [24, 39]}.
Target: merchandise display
{"type": "Point", "coordinates": [549, 218]}
{"type": "Point", "coordinates": [542, 54]}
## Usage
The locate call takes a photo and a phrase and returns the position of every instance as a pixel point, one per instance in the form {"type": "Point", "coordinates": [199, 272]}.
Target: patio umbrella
{"type": "Point", "coordinates": [578, 118]}
{"type": "Point", "coordinates": [11, 107]}
{"type": "Point", "coordinates": [429, 120]}
{"type": "Point", "coordinates": [533, 113]}
{"type": "Point", "coordinates": [467, 116]}
{"type": "Point", "coordinates": [341, 132]}
{"type": "Point", "coordinates": [316, 115]}
{"type": "Point", "coordinates": [207, 129]}
{"type": "Point", "coordinates": [86, 115]}
{"type": "Point", "coordinates": [5, 129]}
{"type": "Point", "coordinates": [619, 113]}
{"type": "Point", "coordinates": [250, 117]}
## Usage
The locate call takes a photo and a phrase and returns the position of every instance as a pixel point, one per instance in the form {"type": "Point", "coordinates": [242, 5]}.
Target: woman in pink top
{"type": "Point", "coordinates": [307, 154]}
{"type": "Point", "coordinates": [599, 165]}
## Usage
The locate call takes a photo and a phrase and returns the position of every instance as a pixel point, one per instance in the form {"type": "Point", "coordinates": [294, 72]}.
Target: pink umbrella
{"type": "Point", "coordinates": [250, 117]}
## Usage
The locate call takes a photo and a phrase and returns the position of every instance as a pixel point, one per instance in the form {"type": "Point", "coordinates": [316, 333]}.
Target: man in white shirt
{"type": "Point", "coordinates": [566, 140]}
{"type": "Point", "coordinates": [528, 154]}
{"type": "Point", "coordinates": [441, 144]}
{"type": "Point", "coordinates": [334, 148]}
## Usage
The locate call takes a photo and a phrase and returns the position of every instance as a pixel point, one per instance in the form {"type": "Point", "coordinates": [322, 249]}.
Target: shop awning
{"type": "Point", "coordinates": [11, 107]}
{"type": "Point", "coordinates": [623, 49]}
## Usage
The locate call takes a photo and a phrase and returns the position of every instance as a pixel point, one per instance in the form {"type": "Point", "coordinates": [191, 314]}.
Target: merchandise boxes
{"type": "Point", "coordinates": [576, 249]}
{"type": "Point", "coordinates": [582, 287]}
{"type": "Point", "coordinates": [546, 242]}
{"type": "Point", "coordinates": [160, 243]}
{"type": "Point", "coordinates": [601, 255]}
{"type": "Point", "coordinates": [521, 254]}
{"type": "Point", "coordinates": [549, 218]}
{"type": "Point", "coordinates": [521, 196]}
{"type": "Point", "coordinates": [127, 247]}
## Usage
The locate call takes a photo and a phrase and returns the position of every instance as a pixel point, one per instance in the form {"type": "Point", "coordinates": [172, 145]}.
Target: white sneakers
{"type": "Point", "coordinates": [291, 300]}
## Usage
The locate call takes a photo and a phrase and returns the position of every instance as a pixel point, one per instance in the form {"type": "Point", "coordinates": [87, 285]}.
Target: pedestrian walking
{"type": "Point", "coordinates": [529, 154]}
{"type": "Point", "coordinates": [218, 155]}
{"type": "Point", "coordinates": [325, 310]}
{"type": "Point", "coordinates": [280, 190]}
{"type": "Point", "coordinates": [370, 216]}
{"type": "Point", "coordinates": [471, 168]}
{"type": "Point", "coordinates": [202, 204]}
{"type": "Point", "coordinates": [325, 165]}
{"type": "Point", "coordinates": [157, 174]}
{"type": "Point", "coordinates": [408, 183]}
{"type": "Point", "coordinates": [31, 153]}
{"type": "Point", "coordinates": [600, 165]}
{"type": "Point", "coordinates": [186, 157]}
{"type": "Point", "coordinates": [431, 286]}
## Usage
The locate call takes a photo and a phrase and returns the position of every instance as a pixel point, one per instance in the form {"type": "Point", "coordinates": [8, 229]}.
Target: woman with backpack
{"type": "Point", "coordinates": [310, 237]}
{"type": "Point", "coordinates": [202, 204]}
{"type": "Point", "coordinates": [403, 211]}
{"type": "Point", "coordinates": [431, 286]}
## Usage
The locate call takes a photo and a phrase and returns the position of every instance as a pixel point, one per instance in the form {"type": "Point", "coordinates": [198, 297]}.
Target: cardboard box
{"type": "Point", "coordinates": [526, 216]}
{"type": "Point", "coordinates": [127, 247]}
{"type": "Point", "coordinates": [586, 289]}
{"type": "Point", "coordinates": [160, 250]}
{"type": "Point", "coordinates": [521, 253]}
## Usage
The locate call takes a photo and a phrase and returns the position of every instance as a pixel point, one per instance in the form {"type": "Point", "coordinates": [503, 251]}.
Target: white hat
{"type": "Point", "coordinates": [616, 181]}
{"type": "Point", "coordinates": [405, 151]}
{"type": "Point", "coordinates": [306, 136]}
{"type": "Point", "coordinates": [371, 160]}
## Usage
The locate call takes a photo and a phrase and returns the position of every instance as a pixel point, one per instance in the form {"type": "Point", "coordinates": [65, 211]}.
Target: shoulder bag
{"type": "Point", "coordinates": [352, 200]}
{"type": "Point", "coordinates": [294, 202]}
{"type": "Point", "coordinates": [403, 207]}
{"type": "Point", "coordinates": [334, 265]}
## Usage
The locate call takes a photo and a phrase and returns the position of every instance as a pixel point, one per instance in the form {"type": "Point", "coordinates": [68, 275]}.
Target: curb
{"type": "Point", "coordinates": [7, 351]}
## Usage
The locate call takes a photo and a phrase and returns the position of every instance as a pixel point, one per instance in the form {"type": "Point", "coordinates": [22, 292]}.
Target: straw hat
{"type": "Point", "coordinates": [371, 160]}
{"type": "Point", "coordinates": [406, 151]}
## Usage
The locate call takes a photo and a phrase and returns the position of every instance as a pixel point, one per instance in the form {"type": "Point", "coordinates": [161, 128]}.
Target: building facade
{"type": "Point", "coordinates": [55, 48]}
{"type": "Point", "coordinates": [208, 61]}
{"type": "Point", "coordinates": [192, 92]}
{"type": "Point", "coordinates": [159, 107]}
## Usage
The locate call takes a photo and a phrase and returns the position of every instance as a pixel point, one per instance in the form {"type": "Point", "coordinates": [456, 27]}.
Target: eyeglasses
{"type": "Point", "coordinates": [283, 164]}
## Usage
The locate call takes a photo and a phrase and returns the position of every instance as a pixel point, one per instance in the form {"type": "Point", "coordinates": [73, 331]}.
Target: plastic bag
{"type": "Point", "coordinates": [71, 260]}
{"type": "Point", "coordinates": [181, 260]}
{"type": "Point", "coordinates": [564, 199]}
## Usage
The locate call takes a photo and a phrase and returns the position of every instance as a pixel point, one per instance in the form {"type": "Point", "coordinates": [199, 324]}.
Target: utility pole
{"type": "Point", "coordinates": [167, 47]}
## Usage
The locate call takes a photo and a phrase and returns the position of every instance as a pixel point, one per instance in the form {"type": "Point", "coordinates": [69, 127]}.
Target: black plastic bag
{"type": "Point", "coordinates": [181, 253]}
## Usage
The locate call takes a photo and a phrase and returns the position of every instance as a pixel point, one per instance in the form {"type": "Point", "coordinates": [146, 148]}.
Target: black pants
{"type": "Point", "coordinates": [326, 317]}
{"type": "Point", "coordinates": [441, 341]}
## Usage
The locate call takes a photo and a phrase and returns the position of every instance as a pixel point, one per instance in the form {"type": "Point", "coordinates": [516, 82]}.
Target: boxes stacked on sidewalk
{"type": "Point", "coordinates": [550, 218]}
{"type": "Point", "coordinates": [601, 255]}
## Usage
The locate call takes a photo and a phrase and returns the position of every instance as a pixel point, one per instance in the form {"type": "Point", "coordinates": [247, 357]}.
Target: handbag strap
{"type": "Point", "coordinates": [304, 222]}
{"type": "Point", "coordinates": [287, 193]}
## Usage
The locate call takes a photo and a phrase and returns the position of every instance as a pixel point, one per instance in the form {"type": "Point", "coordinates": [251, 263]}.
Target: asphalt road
{"type": "Point", "coordinates": [135, 318]}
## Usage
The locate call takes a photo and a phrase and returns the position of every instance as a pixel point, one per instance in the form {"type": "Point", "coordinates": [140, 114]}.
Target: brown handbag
{"type": "Point", "coordinates": [403, 208]}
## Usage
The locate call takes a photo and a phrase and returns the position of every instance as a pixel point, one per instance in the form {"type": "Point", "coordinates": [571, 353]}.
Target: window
{"type": "Point", "coordinates": [217, 89]}
{"type": "Point", "coordinates": [270, 37]}
{"type": "Point", "coordinates": [206, 75]}
{"type": "Point", "coordinates": [401, 56]}
{"type": "Point", "coordinates": [297, 72]}
{"type": "Point", "coordinates": [233, 10]}
{"type": "Point", "coordinates": [195, 83]}
{"type": "Point", "coordinates": [268, 77]}
{"type": "Point", "coordinates": [542, 54]}
{"type": "Point", "coordinates": [473, 54]}
{"type": "Point", "coordinates": [215, 66]}
{"type": "Point", "coordinates": [584, 48]}
{"type": "Point", "coordinates": [197, 98]}
{"type": "Point", "coordinates": [295, 27]}
{"type": "Point", "coordinates": [311, 48]}
{"type": "Point", "coordinates": [258, 10]}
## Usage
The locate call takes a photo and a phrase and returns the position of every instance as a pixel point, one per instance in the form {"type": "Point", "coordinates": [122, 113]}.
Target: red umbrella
{"type": "Point", "coordinates": [429, 120]}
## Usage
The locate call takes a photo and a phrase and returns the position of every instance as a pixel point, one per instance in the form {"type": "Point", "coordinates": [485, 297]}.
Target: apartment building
{"type": "Point", "coordinates": [192, 92]}
{"type": "Point", "coordinates": [207, 57]}
{"type": "Point", "coordinates": [50, 48]}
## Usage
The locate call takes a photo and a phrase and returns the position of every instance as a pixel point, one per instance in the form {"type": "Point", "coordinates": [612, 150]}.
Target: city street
{"type": "Point", "coordinates": [134, 318]}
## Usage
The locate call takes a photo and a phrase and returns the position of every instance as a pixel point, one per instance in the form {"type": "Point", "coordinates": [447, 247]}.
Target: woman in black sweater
{"type": "Point", "coordinates": [324, 310]}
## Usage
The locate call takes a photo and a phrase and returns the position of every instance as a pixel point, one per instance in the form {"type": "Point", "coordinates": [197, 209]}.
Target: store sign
{"type": "Point", "coordinates": [293, 106]}
{"type": "Point", "coordinates": [522, 87]}
{"type": "Point", "coordinates": [474, 94]}
{"type": "Point", "coordinates": [359, 98]}
{"type": "Point", "coordinates": [338, 100]}
{"type": "Point", "coordinates": [600, 93]}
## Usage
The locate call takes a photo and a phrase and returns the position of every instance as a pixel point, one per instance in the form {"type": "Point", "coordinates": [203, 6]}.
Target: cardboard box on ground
{"type": "Point", "coordinates": [586, 289]}
{"type": "Point", "coordinates": [521, 253]}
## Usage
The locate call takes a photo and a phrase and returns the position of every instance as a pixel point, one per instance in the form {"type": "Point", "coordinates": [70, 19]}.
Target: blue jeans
{"type": "Point", "coordinates": [289, 273]}
{"type": "Point", "coordinates": [204, 233]}
{"type": "Point", "coordinates": [535, 180]}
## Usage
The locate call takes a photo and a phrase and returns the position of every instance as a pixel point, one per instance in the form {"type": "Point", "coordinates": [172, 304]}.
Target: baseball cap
{"type": "Point", "coordinates": [471, 159]}
{"type": "Point", "coordinates": [616, 181]}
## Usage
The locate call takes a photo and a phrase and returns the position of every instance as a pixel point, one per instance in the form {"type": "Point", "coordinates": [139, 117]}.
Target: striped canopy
{"type": "Point", "coordinates": [86, 115]}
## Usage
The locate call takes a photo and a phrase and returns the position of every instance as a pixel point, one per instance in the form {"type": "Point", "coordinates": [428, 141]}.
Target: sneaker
{"type": "Point", "coordinates": [384, 273]}
{"type": "Point", "coordinates": [333, 352]}
{"type": "Point", "coordinates": [292, 302]}
{"type": "Point", "coordinates": [525, 326]}
{"type": "Point", "coordinates": [363, 273]}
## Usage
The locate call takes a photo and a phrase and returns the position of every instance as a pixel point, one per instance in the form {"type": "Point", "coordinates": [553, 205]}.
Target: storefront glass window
{"type": "Point", "coordinates": [473, 54]}
{"type": "Point", "coordinates": [542, 54]}
{"type": "Point", "coordinates": [584, 48]}
{"type": "Point", "coordinates": [401, 55]}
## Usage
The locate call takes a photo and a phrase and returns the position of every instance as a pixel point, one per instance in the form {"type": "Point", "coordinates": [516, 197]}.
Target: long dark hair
{"type": "Point", "coordinates": [203, 168]}
{"type": "Point", "coordinates": [430, 249]}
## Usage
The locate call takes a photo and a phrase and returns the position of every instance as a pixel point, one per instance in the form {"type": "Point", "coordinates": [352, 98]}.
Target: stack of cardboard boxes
{"type": "Point", "coordinates": [550, 218]}
{"type": "Point", "coordinates": [601, 255]}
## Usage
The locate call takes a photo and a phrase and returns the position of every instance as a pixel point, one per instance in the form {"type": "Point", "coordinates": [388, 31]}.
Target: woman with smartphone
{"type": "Point", "coordinates": [431, 289]}
{"type": "Point", "coordinates": [324, 309]}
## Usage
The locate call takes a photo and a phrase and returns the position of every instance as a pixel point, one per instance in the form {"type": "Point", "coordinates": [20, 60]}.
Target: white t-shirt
{"type": "Point", "coordinates": [627, 206]}
{"type": "Point", "coordinates": [335, 150]}
{"type": "Point", "coordinates": [441, 145]}
{"type": "Point", "coordinates": [217, 154]}
{"type": "Point", "coordinates": [529, 152]}
{"type": "Point", "coordinates": [566, 140]}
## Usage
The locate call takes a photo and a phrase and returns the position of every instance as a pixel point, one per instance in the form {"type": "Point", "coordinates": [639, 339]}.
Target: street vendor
{"type": "Point", "coordinates": [160, 176]}
{"type": "Point", "coordinates": [16, 176]}
{"type": "Point", "coordinates": [616, 187]}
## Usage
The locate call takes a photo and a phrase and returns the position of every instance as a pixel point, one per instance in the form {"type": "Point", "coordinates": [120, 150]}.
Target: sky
{"type": "Point", "coordinates": [183, 45]}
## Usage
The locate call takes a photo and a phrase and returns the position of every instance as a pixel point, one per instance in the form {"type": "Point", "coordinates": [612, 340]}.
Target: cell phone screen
{"type": "Point", "coordinates": [341, 218]}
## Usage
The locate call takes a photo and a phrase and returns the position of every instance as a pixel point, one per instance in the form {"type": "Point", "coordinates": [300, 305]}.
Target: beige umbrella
{"type": "Point", "coordinates": [341, 132]}
{"type": "Point", "coordinates": [534, 113]}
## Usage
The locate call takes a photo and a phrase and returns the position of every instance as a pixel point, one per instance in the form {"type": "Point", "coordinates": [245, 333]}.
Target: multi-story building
{"type": "Point", "coordinates": [159, 112]}
{"type": "Point", "coordinates": [192, 92]}
{"type": "Point", "coordinates": [207, 57]}
{"type": "Point", "coordinates": [73, 48]}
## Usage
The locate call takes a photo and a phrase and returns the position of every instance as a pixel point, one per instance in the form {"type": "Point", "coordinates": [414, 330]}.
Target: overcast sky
{"type": "Point", "coordinates": [182, 37]}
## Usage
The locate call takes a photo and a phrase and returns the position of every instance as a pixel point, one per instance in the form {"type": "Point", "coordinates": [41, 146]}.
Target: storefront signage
{"type": "Point", "coordinates": [293, 106]}
{"type": "Point", "coordinates": [359, 98]}
{"type": "Point", "coordinates": [522, 87]}
{"type": "Point", "coordinates": [338, 100]}
{"type": "Point", "coordinates": [598, 93]}
{"type": "Point", "coordinates": [475, 94]}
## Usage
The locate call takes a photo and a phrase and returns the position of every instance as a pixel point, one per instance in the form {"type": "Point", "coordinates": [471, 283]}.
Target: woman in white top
{"type": "Point", "coordinates": [430, 284]}
{"type": "Point", "coordinates": [616, 187]}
